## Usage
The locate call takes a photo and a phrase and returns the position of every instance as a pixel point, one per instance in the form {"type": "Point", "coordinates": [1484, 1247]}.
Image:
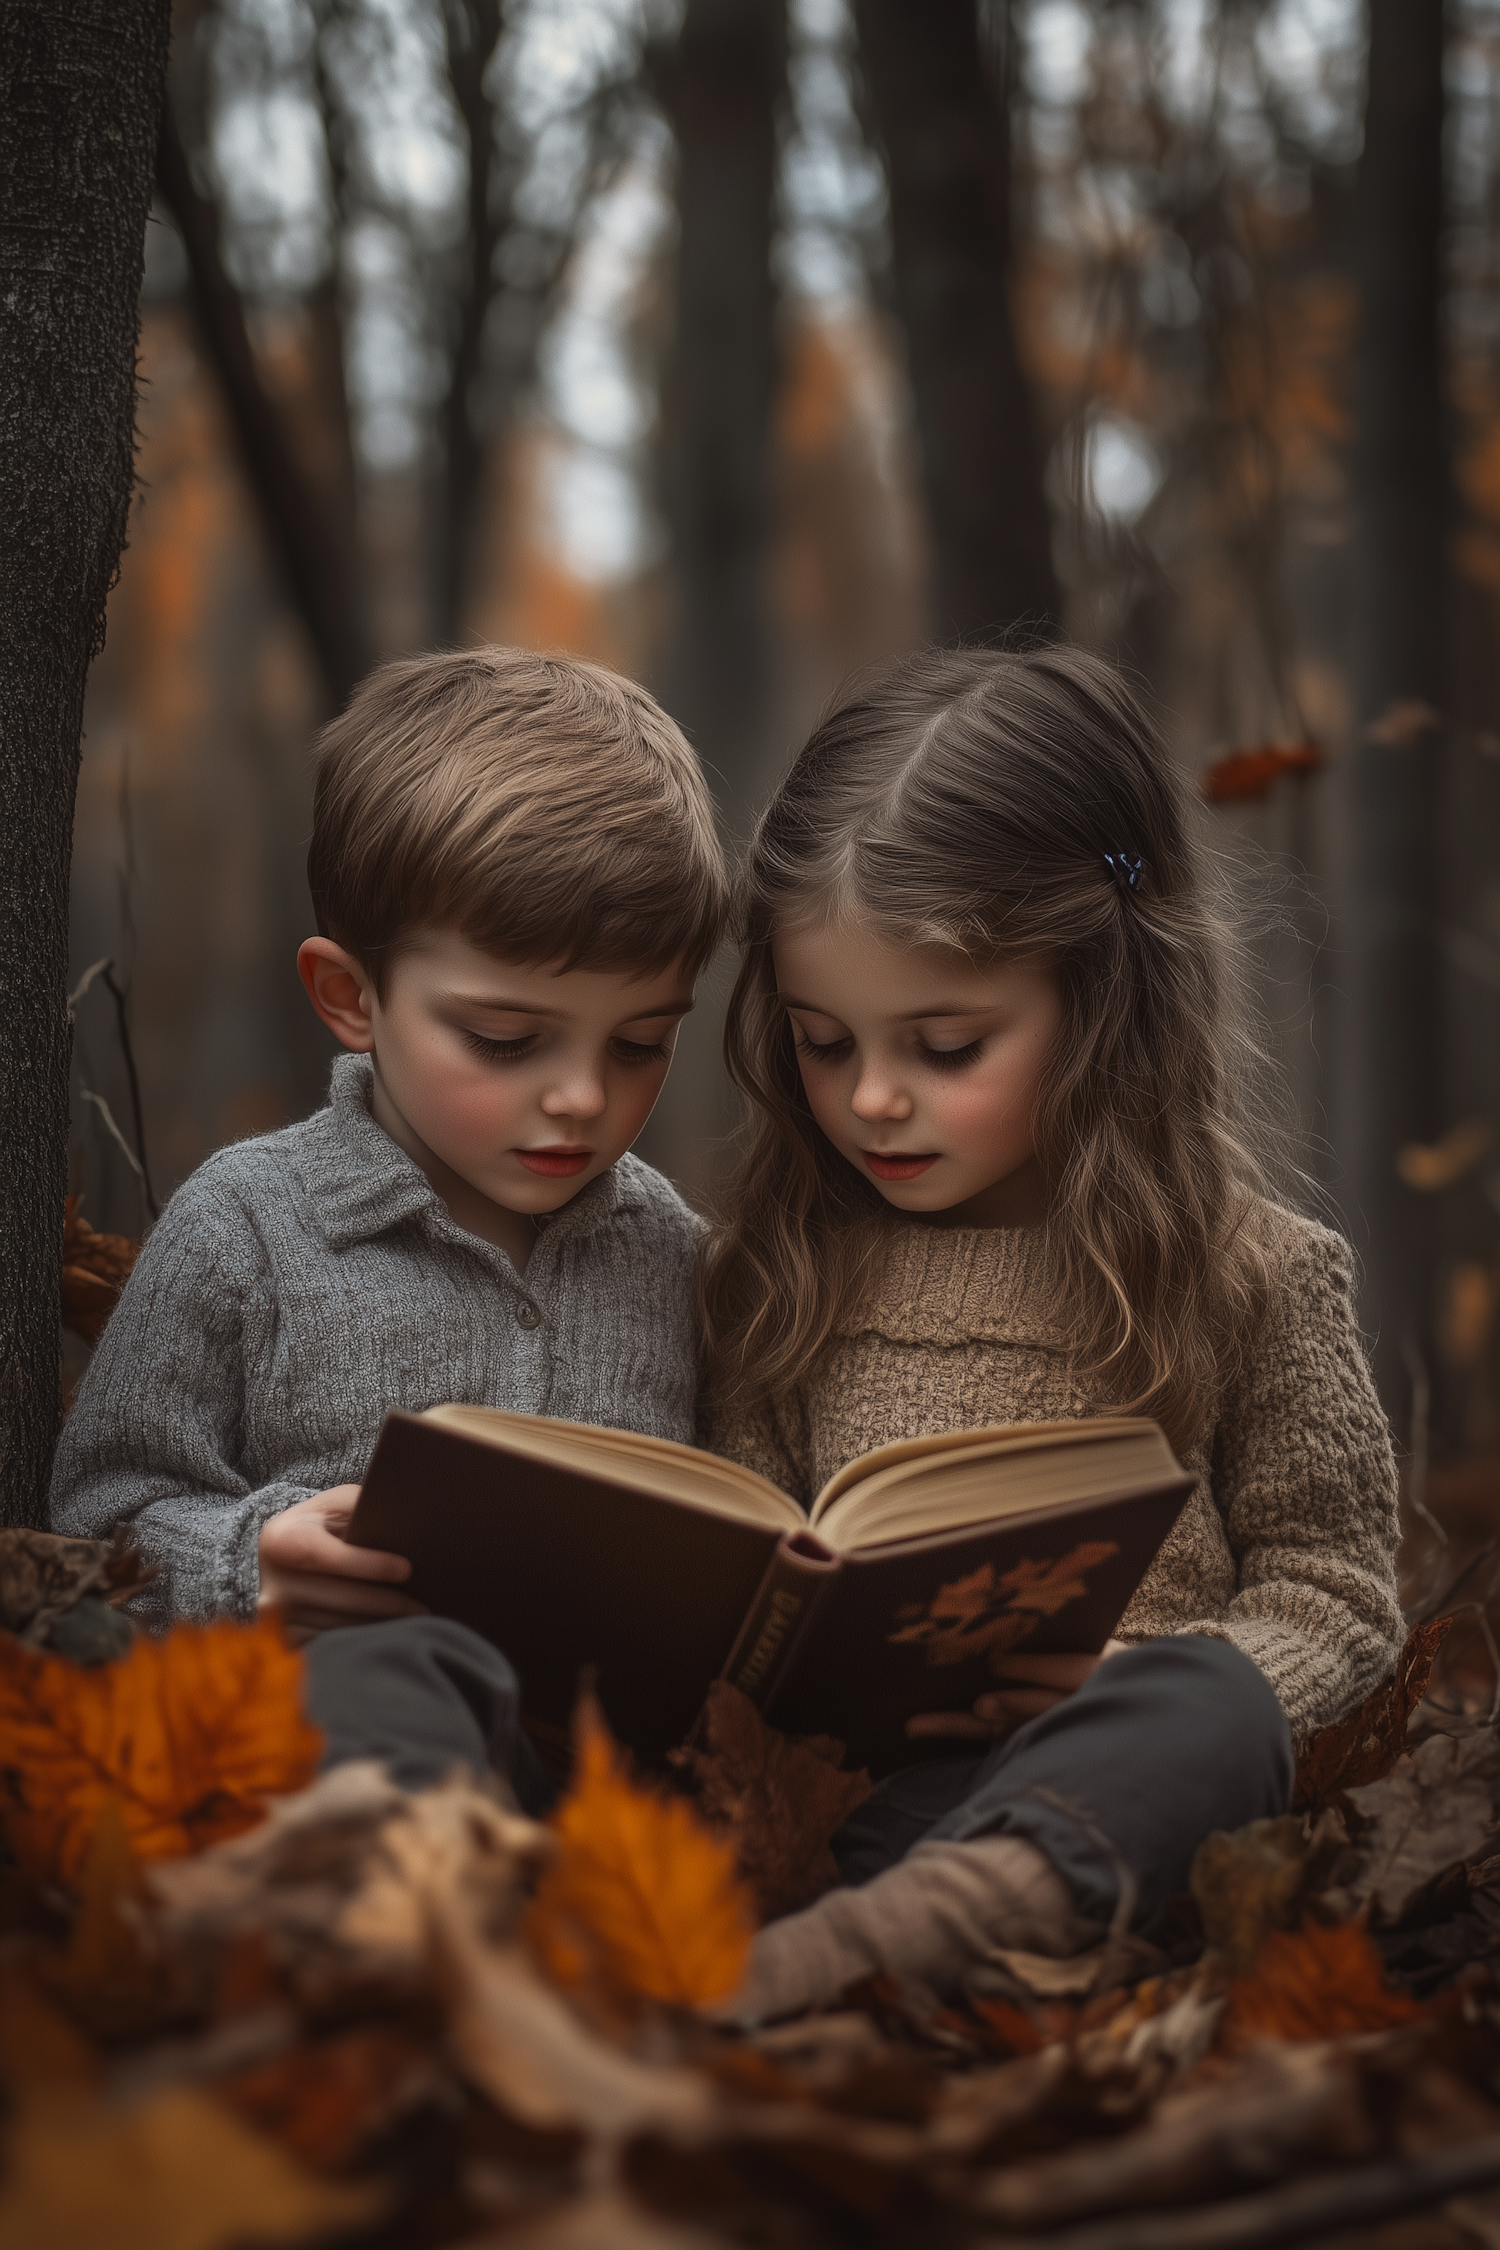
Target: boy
{"type": "Point", "coordinates": [516, 882]}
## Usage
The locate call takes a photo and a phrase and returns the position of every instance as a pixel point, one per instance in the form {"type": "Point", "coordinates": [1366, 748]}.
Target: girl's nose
{"type": "Point", "coordinates": [876, 1096]}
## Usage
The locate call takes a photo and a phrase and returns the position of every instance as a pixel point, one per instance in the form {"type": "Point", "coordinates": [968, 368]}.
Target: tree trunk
{"type": "Point", "coordinates": [944, 125]}
{"type": "Point", "coordinates": [317, 570]}
{"type": "Point", "coordinates": [78, 123]}
{"type": "Point", "coordinates": [722, 85]}
{"type": "Point", "coordinates": [1393, 1089]}
{"type": "Point", "coordinates": [472, 31]}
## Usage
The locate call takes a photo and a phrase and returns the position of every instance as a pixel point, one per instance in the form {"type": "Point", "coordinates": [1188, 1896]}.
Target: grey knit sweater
{"type": "Point", "coordinates": [1288, 1546]}
{"type": "Point", "coordinates": [300, 1284]}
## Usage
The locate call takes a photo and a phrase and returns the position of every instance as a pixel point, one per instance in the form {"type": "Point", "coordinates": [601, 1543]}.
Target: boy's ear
{"type": "Point", "coordinates": [340, 989]}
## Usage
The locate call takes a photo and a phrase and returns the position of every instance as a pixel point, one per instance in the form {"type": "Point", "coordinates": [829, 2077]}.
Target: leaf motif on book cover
{"type": "Point", "coordinates": [990, 1612]}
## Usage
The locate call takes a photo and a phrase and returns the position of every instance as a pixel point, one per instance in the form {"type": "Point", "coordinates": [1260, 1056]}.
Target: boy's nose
{"type": "Point", "coordinates": [581, 1097]}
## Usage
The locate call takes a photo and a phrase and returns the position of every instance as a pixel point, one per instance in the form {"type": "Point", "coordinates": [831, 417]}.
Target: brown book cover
{"type": "Point", "coordinates": [572, 1563]}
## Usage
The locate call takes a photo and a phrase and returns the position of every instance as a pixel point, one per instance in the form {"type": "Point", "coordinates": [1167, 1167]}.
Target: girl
{"type": "Point", "coordinates": [997, 1174]}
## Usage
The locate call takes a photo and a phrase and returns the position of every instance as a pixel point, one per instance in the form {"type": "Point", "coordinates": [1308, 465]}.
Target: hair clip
{"type": "Point", "coordinates": [1127, 869]}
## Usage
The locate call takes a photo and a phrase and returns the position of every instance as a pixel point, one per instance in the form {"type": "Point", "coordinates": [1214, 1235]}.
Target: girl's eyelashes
{"type": "Point", "coordinates": [951, 1058]}
{"type": "Point", "coordinates": [833, 1050]}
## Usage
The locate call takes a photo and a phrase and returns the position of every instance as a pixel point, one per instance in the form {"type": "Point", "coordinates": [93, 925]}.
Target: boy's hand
{"type": "Point", "coordinates": [1047, 1680]}
{"type": "Point", "coordinates": [316, 1579]}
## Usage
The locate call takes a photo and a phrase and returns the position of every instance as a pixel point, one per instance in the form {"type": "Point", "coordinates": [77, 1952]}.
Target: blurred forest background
{"type": "Point", "coordinates": [738, 344]}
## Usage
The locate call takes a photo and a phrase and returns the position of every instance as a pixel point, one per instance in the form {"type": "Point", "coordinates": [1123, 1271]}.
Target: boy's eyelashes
{"type": "Point", "coordinates": [633, 1053]}
{"type": "Point", "coordinates": [935, 1058]}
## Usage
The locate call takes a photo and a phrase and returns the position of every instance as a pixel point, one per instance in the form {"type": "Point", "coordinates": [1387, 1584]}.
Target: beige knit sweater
{"type": "Point", "coordinates": [1288, 1546]}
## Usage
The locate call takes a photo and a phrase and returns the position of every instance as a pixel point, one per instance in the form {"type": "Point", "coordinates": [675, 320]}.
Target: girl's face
{"type": "Point", "coordinates": [922, 1067]}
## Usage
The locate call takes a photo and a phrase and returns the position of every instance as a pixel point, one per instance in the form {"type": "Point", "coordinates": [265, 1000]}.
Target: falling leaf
{"type": "Point", "coordinates": [1364, 1747]}
{"type": "Point", "coordinates": [778, 1798]}
{"type": "Point", "coordinates": [1401, 724]}
{"type": "Point", "coordinates": [640, 1896]}
{"type": "Point", "coordinates": [187, 1735]}
{"type": "Point", "coordinates": [95, 1267]}
{"type": "Point", "coordinates": [174, 2172]}
{"type": "Point", "coordinates": [1429, 1170]}
{"type": "Point", "coordinates": [1315, 1984]}
{"type": "Point", "coordinates": [1245, 776]}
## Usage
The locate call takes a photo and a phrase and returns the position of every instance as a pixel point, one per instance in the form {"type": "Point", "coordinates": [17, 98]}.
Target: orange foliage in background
{"type": "Point", "coordinates": [185, 1737]}
{"type": "Point", "coordinates": [641, 1899]}
{"type": "Point", "coordinates": [1244, 776]}
{"type": "Point", "coordinates": [1315, 1983]}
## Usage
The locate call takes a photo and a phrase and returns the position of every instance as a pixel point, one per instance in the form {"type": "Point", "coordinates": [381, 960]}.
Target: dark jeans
{"type": "Point", "coordinates": [1167, 1742]}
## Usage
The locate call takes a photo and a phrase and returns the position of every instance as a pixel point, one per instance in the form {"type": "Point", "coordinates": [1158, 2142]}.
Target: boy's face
{"type": "Point", "coordinates": [523, 1083]}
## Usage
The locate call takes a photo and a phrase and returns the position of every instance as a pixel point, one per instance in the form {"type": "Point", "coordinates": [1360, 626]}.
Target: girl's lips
{"type": "Point", "coordinates": [898, 1167]}
{"type": "Point", "coordinates": [554, 1163]}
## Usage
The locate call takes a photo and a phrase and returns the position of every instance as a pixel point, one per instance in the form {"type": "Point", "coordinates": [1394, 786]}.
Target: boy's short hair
{"type": "Point", "coordinates": [546, 808]}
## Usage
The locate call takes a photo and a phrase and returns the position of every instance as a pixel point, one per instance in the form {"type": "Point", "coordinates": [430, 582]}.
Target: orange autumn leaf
{"type": "Point", "coordinates": [640, 1897]}
{"type": "Point", "coordinates": [186, 1737]}
{"type": "Point", "coordinates": [1315, 1984]}
{"type": "Point", "coordinates": [1247, 775]}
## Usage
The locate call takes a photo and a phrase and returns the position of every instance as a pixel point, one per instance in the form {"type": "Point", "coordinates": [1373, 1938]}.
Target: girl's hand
{"type": "Point", "coordinates": [1047, 1680]}
{"type": "Point", "coordinates": [316, 1579]}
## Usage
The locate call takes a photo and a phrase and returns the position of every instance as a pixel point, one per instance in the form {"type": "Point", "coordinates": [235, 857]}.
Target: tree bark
{"type": "Point", "coordinates": [944, 126]}
{"type": "Point", "coordinates": [722, 85]}
{"type": "Point", "coordinates": [78, 122]}
{"type": "Point", "coordinates": [1394, 1088]}
{"type": "Point", "coordinates": [317, 570]}
{"type": "Point", "coordinates": [472, 31]}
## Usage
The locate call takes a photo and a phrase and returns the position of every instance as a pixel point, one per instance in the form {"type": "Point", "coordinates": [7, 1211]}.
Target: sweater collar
{"type": "Point", "coordinates": [361, 1183]}
{"type": "Point", "coordinates": [941, 1285]}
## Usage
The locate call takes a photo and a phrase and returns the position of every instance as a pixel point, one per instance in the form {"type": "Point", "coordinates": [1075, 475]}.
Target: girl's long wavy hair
{"type": "Point", "coordinates": [969, 799]}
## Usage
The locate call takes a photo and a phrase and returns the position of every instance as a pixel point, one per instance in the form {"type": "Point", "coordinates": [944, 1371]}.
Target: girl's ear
{"type": "Point", "coordinates": [340, 989]}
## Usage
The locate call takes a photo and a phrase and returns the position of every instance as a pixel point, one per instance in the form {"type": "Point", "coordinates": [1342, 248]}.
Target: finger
{"type": "Point", "coordinates": [1050, 1671]}
{"type": "Point", "coordinates": [1018, 1703]}
{"type": "Point", "coordinates": [310, 1547]}
{"type": "Point", "coordinates": [960, 1724]}
{"type": "Point", "coordinates": [301, 1591]}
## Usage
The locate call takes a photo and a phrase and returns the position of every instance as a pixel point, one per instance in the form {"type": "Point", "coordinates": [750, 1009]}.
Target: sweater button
{"type": "Point", "coordinates": [527, 1315]}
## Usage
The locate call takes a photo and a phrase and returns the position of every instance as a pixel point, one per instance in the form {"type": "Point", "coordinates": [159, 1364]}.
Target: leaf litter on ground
{"type": "Point", "coordinates": [247, 2003]}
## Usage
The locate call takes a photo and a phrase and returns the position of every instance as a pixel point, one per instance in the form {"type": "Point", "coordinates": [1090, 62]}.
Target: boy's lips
{"type": "Point", "coordinates": [897, 1167]}
{"type": "Point", "coordinates": [554, 1163]}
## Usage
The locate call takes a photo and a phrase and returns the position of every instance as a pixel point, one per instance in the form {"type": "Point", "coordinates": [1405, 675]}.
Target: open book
{"type": "Point", "coordinates": [917, 1569]}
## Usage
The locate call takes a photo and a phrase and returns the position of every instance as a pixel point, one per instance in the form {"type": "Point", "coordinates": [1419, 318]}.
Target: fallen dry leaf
{"type": "Point", "coordinates": [324, 2101]}
{"type": "Point", "coordinates": [1315, 1984]}
{"type": "Point", "coordinates": [336, 1883]}
{"type": "Point", "coordinates": [44, 1576]}
{"type": "Point", "coordinates": [777, 1797]}
{"type": "Point", "coordinates": [1365, 1746]}
{"type": "Point", "coordinates": [641, 1897]}
{"type": "Point", "coordinates": [1249, 1883]}
{"type": "Point", "coordinates": [95, 1267]}
{"type": "Point", "coordinates": [1435, 1809]}
{"type": "Point", "coordinates": [1245, 776]}
{"type": "Point", "coordinates": [176, 2172]}
{"type": "Point", "coordinates": [188, 1736]}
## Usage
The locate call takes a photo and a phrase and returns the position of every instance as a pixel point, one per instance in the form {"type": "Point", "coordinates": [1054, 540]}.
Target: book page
{"type": "Point", "coordinates": [923, 1486]}
{"type": "Point", "coordinates": [626, 1457]}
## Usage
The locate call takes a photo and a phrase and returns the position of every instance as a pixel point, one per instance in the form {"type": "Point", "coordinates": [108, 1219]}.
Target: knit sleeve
{"type": "Point", "coordinates": [1305, 1481]}
{"type": "Point", "coordinates": [151, 1441]}
{"type": "Point", "coordinates": [771, 1439]}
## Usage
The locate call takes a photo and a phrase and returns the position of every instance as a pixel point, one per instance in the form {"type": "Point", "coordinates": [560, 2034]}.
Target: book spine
{"type": "Point", "coordinates": [800, 1573]}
